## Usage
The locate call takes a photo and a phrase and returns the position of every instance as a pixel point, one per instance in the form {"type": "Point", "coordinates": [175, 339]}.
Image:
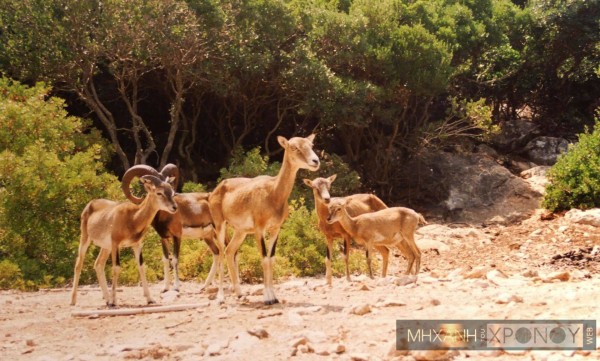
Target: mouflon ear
{"type": "Point", "coordinates": [282, 141]}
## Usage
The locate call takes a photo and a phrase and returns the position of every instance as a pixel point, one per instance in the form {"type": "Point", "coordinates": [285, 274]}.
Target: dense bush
{"type": "Point", "coordinates": [51, 165]}
{"type": "Point", "coordinates": [575, 178]}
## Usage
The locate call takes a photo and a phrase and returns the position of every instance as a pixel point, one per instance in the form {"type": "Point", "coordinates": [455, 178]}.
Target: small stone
{"type": "Point", "coordinates": [364, 287]}
{"type": "Point", "coordinates": [390, 304]}
{"type": "Point", "coordinates": [339, 348]}
{"type": "Point", "coordinates": [214, 350]}
{"type": "Point", "coordinates": [295, 319]}
{"type": "Point", "coordinates": [309, 310]}
{"type": "Point", "coordinates": [305, 348]}
{"type": "Point", "coordinates": [477, 272]}
{"type": "Point", "coordinates": [359, 357]}
{"type": "Point", "coordinates": [299, 341]}
{"type": "Point", "coordinates": [30, 342]}
{"type": "Point", "coordinates": [259, 332]}
{"type": "Point", "coordinates": [257, 291]}
{"type": "Point", "coordinates": [436, 274]}
{"type": "Point", "coordinates": [405, 280]}
{"type": "Point", "coordinates": [563, 276]}
{"type": "Point", "coordinates": [530, 273]}
{"type": "Point", "coordinates": [537, 232]}
{"type": "Point", "coordinates": [494, 274]}
{"type": "Point", "coordinates": [435, 302]}
{"type": "Point", "coordinates": [506, 298]}
{"type": "Point", "coordinates": [361, 310]}
{"type": "Point", "coordinates": [481, 284]}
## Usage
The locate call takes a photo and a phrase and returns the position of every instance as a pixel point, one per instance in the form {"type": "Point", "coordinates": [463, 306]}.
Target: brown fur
{"type": "Point", "coordinates": [259, 206]}
{"type": "Point", "coordinates": [356, 204]}
{"type": "Point", "coordinates": [391, 227]}
{"type": "Point", "coordinates": [111, 225]}
{"type": "Point", "coordinates": [192, 220]}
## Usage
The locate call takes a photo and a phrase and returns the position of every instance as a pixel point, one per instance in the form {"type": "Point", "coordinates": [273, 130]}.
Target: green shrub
{"type": "Point", "coordinates": [575, 178]}
{"type": "Point", "coordinates": [10, 275]}
{"type": "Point", "coordinates": [195, 260]}
{"type": "Point", "coordinates": [152, 254]}
{"type": "Point", "coordinates": [51, 166]}
{"type": "Point", "coordinates": [301, 242]}
{"type": "Point", "coordinates": [191, 187]}
{"type": "Point", "coordinates": [248, 164]}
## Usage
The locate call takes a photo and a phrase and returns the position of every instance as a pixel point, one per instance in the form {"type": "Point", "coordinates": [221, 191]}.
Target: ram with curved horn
{"type": "Point", "coordinates": [192, 220]}
{"type": "Point", "coordinates": [111, 225]}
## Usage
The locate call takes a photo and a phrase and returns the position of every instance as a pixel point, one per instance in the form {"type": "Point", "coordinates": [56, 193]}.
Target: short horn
{"type": "Point", "coordinates": [171, 170]}
{"type": "Point", "coordinates": [136, 171]}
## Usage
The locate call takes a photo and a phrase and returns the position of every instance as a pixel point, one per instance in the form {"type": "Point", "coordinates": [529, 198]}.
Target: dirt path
{"type": "Point", "coordinates": [473, 273]}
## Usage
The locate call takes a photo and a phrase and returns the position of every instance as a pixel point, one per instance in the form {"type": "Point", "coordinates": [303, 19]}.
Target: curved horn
{"type": "Point", "coordinates": [136, 171]}
{"type": "Point", "coordinates": [171, 170]}
{"type": "Point", "coordinates": [156, 180]}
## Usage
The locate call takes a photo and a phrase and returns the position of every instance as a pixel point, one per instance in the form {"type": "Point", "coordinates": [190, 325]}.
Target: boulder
{"type": "Point", "coordinates": [545, 150]}
{"type": "Point", "coordinates": [470, 188]}
{"type": "Point", "coordinates": [514, 134]}
{"type": "Point", "coordinates": [590, 217]}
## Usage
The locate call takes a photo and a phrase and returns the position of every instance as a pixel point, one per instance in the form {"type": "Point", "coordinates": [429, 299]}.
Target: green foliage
{"type": "Point", "coordinates": [300, 248]}
{"type": "Point", "coordinates": [301, 242]}
{"type": "Point", "coordinates": [10, 275]}
{"type": "Point", "coordinates": [575, 178]}
{"type": "Point", "coordinates": [195, 260]}
{"type": "Point", "coordinates": [51, 165]}
{"type": "Point", "coordinates": [248, 164]}
{"type": "Point", "coordinates": [191, 187]}
{"type": "Point", "coordinates": [463, 119]}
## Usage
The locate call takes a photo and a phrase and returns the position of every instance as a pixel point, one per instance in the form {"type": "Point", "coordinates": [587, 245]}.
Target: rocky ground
{"type": "Point", "coordinates": [531, 269]}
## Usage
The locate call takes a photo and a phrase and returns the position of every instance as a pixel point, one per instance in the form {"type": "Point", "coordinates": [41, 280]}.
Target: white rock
{"type": "Point", "coordinates": [537, 232]}
{"type": "Point", "coordinates": [477, 272]}
{"type": "Point", "coordinates": [294, 319]}
{"type": "Point", "coordinates": [309, 310]}
{"type": "Point", "coordinates": [359, 357]}
{"type": "Point", "coordinates": [361, 309]}
{"type": "Point", "coordinates": [405, 280]}
{"type": "Point", "coordinates": [169, 296]}
{"type": "Point", "coordinates": [390, 303]}
{"type": "Point", "coordinates": [590, 216]}
{"type": "Point", "coordinates": [216, 348]}
{"type": "Point", "coordinates": [498, 278]}
{"type": "Point", "coordinates": [425, 243]}
{"type": "Point", "coordinates": [305, 348]}
{"type": "Point", "coordinates": [481, 284]}
{"type": "Point", "coordinates": [315, 336]}
{"type": "Point", "coordinates": [504, 298]}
